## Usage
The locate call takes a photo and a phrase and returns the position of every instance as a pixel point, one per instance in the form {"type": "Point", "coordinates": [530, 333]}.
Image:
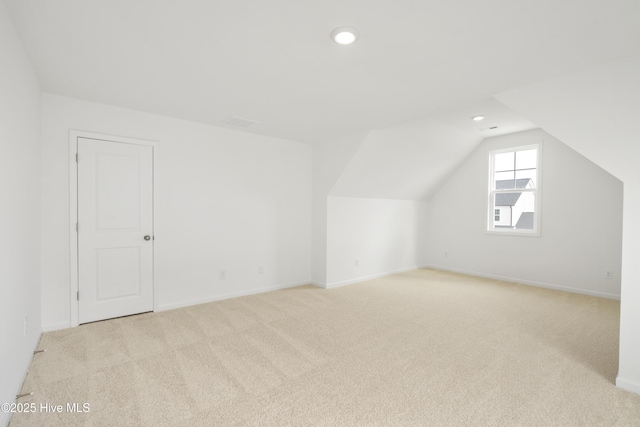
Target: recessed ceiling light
{"type": "Point", "coordinates": [345, 35]}
{"type": "Point", "coordinates": [477, 118]}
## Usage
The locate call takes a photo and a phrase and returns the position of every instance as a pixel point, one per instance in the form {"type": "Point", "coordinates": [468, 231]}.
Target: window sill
{"type": "Point", "coordinates": [514, 233]}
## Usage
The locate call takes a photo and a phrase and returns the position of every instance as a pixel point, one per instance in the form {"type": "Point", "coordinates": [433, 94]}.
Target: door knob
{"type": "Point", "coordinates": [147, 237]}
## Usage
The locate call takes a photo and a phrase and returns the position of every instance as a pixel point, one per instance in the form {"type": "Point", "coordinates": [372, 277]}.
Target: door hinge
{"type": "Point", "coordinates": [76, 157]}
{"type": "Point", "coordinates": [78, 295]}
{"type": "Point", "coordinates": [76, 227]}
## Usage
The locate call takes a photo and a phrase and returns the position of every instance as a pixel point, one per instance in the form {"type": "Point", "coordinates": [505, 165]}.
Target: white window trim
{"type": "Point", "coordinates": [538, 194]}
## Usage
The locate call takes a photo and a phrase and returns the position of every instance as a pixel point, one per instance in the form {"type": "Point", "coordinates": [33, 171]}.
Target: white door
{"type": "Point", "coordinates": [115, 229]}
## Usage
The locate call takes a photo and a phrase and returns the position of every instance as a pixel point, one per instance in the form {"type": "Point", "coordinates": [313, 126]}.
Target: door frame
{"type": "Point", "coordinates": [74, 286]}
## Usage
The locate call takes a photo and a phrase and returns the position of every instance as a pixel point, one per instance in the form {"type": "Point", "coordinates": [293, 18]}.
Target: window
{"type": "Point", "coordinates": [514, 191]}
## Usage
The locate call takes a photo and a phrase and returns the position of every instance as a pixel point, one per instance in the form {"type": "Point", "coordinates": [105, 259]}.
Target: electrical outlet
{"type": "Point", "coordinates": [608, 274]}
{"type": "Point", "coordinates": [260, 269]}
{"type": "Point", "coordinates": [223, 274]}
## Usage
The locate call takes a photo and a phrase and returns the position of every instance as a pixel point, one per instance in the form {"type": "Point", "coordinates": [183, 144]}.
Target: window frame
{"type": "Point", "coordinates": [537, 192]}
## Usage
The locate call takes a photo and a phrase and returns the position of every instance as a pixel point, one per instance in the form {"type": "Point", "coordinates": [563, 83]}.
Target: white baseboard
{"type": "Point", "coordinates": [319, 284]}
{"type": "Point", "coordinates": [48, 327]}
{"type": "Point", "coordinates": [364, 278]}
{"type": "Point", "coordinates": [526, 282]}
{"type": "Point", "coordinates": [628, 385]}
{"type": "Point", "coordinates": [228, 296]}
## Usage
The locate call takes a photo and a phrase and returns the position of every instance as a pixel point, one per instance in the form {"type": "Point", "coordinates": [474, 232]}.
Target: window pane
{"type": "Point", "coordinates": [503, 161]}
{"type": "Point", "coordinates": [504, 180]}
{"type": "Point", "coordinates": [513, 187]}
{"type": "Point", "coordinates": [525, 221]}
{"type": "Point", "coordinates": [526, 159]}
{"type": "Point", "coordinates": [517, 210]}
{"type": "Point", "coordinates": [530, 174]}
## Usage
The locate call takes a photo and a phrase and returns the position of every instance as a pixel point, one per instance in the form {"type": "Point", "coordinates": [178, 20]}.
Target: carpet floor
{"type": "Point", "coordinates": [425, 347]}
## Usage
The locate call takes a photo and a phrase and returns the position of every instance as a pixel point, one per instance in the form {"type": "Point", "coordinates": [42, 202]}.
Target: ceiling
{"type": "Point", "coordinates": [273, 62]}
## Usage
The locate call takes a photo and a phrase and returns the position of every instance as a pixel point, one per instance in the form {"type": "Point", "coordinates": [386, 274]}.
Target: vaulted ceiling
{"type": "Point", "coordinates": [273, 62]}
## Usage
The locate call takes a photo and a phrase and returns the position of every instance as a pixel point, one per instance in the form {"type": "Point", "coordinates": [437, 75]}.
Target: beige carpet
{"type": "Point", "coordinates": [420, 348]}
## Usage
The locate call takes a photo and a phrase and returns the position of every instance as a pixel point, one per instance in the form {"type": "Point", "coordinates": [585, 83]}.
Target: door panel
{"type": "Point", "coordinates": [115, 213]}
{"type": "Point", "coordinates": [110, 195]}
{"type": "Point", "coordinates": [117, 273]}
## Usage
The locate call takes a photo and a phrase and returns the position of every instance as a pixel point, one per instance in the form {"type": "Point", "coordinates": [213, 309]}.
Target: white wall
{"type": "Point", "coordinates": [329, 161]}
{"type": "Point", "coordinates": [581, 223]}
{"type": "Point", "coordinates": [227, 200]}
{"type": "Point", "coordinates": [366, 192]}
{"type": "Point", "coordinates": [382, 234]}
{"type": "Point", "coordinates": [19, 212]}
{"type": "Point", "coordinates": [596, 112]}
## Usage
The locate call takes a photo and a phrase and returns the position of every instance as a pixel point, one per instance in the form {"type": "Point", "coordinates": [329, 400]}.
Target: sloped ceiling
{"type": "Point", "coordinates": [273, 61]}
{"type": "Point", "coordinates": [410, 161]}
{"type": "Point", "coordinates": [594, 111]}
{"type": "Point", "coordinates": [407, 161]}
